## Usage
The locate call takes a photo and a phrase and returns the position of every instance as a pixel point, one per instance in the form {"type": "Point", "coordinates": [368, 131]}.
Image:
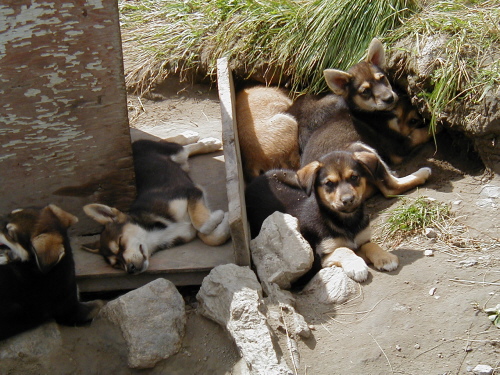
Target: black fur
{"type": "Point", "coordinates": [29, 297]}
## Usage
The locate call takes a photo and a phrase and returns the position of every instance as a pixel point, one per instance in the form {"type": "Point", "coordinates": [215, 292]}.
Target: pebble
{"type": "Point", "coordinates": [468, 262]}
{"type": "Point", "coordinates": [432, 291]}
{"type": "Point", "coordinates": [398, 348]}
{"type": "Point", "coordinates": [429, 253]}
{"type": "Point", "coordinates": [482, 370]}
{"type": "Point", "coordinates": [417, 346]}
{"type": "Point", "coordinates": [431, 233]}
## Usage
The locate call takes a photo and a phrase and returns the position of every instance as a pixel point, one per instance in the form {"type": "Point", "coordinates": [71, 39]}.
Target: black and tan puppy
{"type": "Point", "coordinates": [169, 209]}
{"type": "Point", "coordinates": [37, 272]}
{"type": "Point", "coordinates": [326, 196]}
{"type": "Point", "coordinates": [273, 129]}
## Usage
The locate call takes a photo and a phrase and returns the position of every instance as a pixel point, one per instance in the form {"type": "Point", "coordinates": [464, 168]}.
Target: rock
{"type": "Point", "coordinates": [429, 253]}
{"type": "Point", "coordinates": [280, 254]}
{"type": "Point", "coordinates": [152, 320]}
{"type": "Point", "coordinates": [331, 285]}
{"type": "Point", "coordinates": [231, 296]}
{"type": "Point", "coordinates": [30, 351]}
{"type": "Point", "coordinates": [35, 343]}
{"type": "Point", "coordinates": [482, 370]}
{"type": "Point", "coordinates": [431, 233]}
{"type": "Point", "coordinates": [468, 262]}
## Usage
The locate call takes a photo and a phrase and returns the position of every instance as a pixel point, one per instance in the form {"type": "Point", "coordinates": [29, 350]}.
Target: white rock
{"type": "Point", "coordinates": [231, 296]}
{"type": "Point", "coordinates": [331, 285]}
{"type": "Point", "coordinates": [280, 254]}
{"type": "Point", "coordinates": [482, 370]}
{"type": "Point", "coordinates": [432, 291]}
{"type": "Point", "coordinates": [152, 320]}
{"type": "Point", "coordinates": [429, 253]}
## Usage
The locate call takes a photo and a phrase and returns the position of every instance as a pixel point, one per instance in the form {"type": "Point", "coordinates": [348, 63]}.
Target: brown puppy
{"type": "Point", "coordinates": [268, 136]}
{"type": "Point", "coordinates": [268, 120]}
{"type": "Point", "coordinates": [326, 196]}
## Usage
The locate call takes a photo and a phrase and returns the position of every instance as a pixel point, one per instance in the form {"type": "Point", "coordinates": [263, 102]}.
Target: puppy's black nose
{"type": "Point", "coordinates": [388, 99]}
{"type": "Point", "coordinates": [347, 199]}
{"type": "Point", "coordinates": [131, 268]}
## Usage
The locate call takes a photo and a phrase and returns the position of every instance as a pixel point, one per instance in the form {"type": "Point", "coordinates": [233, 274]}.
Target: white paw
{"type": "Point", "coordinates": [356, 269]}
{"type": "Point", "coordinates": [389, 266]}
{"type": "Point", "coordinates": [388, 262]}
{"type": "Point", "coordinates": [213, 221]}
{"type": "Point", "coordinates": [4, 259]}
{"type": "Point", "coordinates": [185, 138]}
{"type": "Point", "coordinates": [222, 230]}
{"type": "Point", "coordinates": [210, 144]}
{"type": "Point", "coordinates": [423, 173]}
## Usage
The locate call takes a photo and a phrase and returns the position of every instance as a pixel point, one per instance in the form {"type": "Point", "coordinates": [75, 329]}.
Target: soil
{"type": "Point", "coordinates": [424, 318]}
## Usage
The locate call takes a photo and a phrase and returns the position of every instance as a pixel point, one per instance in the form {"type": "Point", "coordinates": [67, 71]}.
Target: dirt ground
{"type": "Point", "coordinates": [423, 318]}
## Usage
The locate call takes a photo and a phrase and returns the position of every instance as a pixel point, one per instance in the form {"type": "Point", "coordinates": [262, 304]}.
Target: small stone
{"type": "Point", "coordinates": [417, 346]}
{"type": "Point", "coordinates": [457, 203]}
{"type": "Point", "coordinates": [429, 253]}
{"type": "Point", "coordinates": [398, 348]}
{"type": "Point", "coordinates": [482, 370]}
{"type": "Point", "coordinates": [432, 291]}
{"type": "Point", "coordinates": [431, 233]}
{"type": "Point", "coordinates": [468, 262]}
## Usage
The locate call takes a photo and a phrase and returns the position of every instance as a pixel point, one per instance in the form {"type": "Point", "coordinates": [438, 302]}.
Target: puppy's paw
{"type": "Point", "coordinates": [4, 259]}
{"type": "Point", "coordinates": [210, 144]}
{"type": "Point", "coordinates": [213, 221]}
{"type": "Point", "coordinates": [386, 262]}
{"type": "Point", "coordinates": [356, 269]}
{"type": "Point", "coordinates": [222, 232]}
{"type": "Point", "coordinates": [423, 174]}
{"type": "Point", "coordinates": [185, 138]}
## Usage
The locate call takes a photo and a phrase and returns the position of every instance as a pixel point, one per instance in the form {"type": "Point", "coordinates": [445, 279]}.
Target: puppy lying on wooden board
{"type": "Point", "coordinates": [169, 209]}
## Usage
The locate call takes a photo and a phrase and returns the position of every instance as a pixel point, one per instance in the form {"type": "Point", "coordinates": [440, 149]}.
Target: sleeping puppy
{"type": "Point", "coordinates": [37, 273]}
{"type": "Point", "coordinates": [326, 196]}
{"type": "Point", "coordinates": [169, 209]}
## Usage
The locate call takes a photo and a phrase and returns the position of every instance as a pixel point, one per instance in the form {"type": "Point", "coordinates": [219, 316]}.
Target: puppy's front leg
{"type": "Point", "coordinates": [212, 227]}
{"type": "Point", "coordinates": [354, 266]}
{"type": "Point", "coordinates": [381, 259]}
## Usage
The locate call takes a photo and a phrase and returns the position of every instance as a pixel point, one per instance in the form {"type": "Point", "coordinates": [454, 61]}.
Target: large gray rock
{"type": "Point", "coordinates": [231, 296]}
{"type": "Point", "coordinates": [152, 320]}
{"type": "Point", "coordinates": [280, 254]}
{"type": "Point", "coordinates": [31, 351]}
{"type": "Point", "coordinates": [331, 285]}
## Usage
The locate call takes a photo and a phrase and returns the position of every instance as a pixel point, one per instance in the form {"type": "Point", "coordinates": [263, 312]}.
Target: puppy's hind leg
{"type": "Point", "coordinates": [184, 138]}
{"type": "Point", "coordinates": [212, 227]}
{"type": "Point", "coordinates": [203, 146]}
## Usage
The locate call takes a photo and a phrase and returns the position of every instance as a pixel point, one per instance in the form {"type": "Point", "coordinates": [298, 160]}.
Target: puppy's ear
{"type": "Point", "coordinates": [337, 81]}
{"type": "Point", "coordinates": [307, 176]}
{"type": "Point", "coordinates": [104, 214]}
{"type": "Point", "coordinates": [92, 247]}
{"type": "Point", "coordinates": [65, 218]}
{"type": "Point", "coordinates": [376, 53]}
{"type": "Point", "coordinates": [370, 161]}
{"type": "Point", "coordinates": [48, 249]}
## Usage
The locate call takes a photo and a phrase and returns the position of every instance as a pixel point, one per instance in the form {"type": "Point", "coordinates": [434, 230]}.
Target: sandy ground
{"type": "Point", "coordinates": [423, 318]}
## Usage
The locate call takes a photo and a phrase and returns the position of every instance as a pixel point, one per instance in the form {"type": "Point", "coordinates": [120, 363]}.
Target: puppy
{"type": "Point", "coordinates": [326, 196]}
{"type": "Point", "coordinates": [37, 272]}
{"type": "Point", "coordinates": [268, 120]}
{"type": "Point", "coordinates": [169, 209]}
{"type": "Point", "coordinates": [268, 136]}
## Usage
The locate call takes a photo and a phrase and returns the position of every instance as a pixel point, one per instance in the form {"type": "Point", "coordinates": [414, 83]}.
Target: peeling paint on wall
{"type": "Point", "coordinates": [63, 103]}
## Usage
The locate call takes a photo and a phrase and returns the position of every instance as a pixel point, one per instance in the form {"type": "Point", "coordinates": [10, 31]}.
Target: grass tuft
{"type": "Point", "coordinates": [299, 37]}
{"type": "Point", "coordinates": [468, 66]}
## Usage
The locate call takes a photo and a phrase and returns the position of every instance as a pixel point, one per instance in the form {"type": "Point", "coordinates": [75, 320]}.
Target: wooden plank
{"type": "Point", "coordinates": [234, 173]}
{"type": "Point", "coordinates": [63, 110]}
{"type": "Point", "coordinates": [183, 265]}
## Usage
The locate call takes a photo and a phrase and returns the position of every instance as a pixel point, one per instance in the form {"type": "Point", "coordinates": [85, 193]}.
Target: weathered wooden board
{"type": "Point", "coordinates": [63, 113]}
{"type": "Point", "coordinates": [234, 173]}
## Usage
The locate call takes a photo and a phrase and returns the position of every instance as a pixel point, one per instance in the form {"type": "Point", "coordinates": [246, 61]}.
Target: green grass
{"type": "Point", "coordinates": [300, 37]}
{"type": "Point", "coordinates": [414, 215]}
{"type": "Point", "coordinates": [468, 65]}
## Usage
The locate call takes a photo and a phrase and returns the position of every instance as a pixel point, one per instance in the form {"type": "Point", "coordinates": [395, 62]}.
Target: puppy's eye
{"type": "Point", "coordinates": [330, 184]}
{"type": "Point", "coordinates": [354, 178]}
{"type": "Point", "coordinates": [366, 92]}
